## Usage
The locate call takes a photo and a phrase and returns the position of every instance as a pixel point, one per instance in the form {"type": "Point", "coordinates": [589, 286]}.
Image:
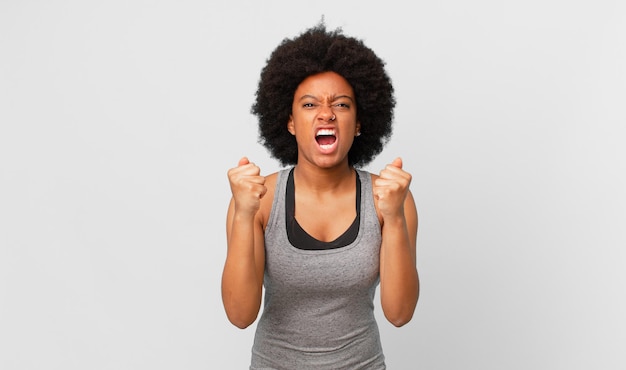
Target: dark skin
{"type": "Point", "coordinates": [324, 185]}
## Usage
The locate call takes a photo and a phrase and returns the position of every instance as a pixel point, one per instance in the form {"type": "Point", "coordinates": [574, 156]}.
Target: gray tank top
{"type": "Point", "coordinates": [319, 304]}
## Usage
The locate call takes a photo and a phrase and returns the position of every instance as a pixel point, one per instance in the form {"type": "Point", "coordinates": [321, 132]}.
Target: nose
{"type": "Point", "coordinates": [326, 113]}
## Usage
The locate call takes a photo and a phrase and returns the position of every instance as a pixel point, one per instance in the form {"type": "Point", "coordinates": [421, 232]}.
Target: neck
{"type": "Point", "coordinates": [322, 180]}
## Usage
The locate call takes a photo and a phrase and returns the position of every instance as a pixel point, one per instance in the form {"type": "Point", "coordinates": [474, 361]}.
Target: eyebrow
{"type": "Point", "coordinates": [307, 96]}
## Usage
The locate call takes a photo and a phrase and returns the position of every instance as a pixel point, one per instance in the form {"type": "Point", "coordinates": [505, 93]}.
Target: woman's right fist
{"type": "Point", "coordinates": [247, 186]}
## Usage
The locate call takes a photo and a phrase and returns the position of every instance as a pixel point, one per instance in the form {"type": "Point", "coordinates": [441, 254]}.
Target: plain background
{"type": "Point", "coordinates": [119, 120]}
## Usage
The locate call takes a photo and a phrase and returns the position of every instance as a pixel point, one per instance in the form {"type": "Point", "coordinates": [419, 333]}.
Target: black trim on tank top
{"type": "Point", "coordinates": [300, 239]}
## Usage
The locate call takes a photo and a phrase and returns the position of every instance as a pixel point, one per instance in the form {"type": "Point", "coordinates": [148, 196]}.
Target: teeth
{"type": "Point", "coordinates": [326, 131]}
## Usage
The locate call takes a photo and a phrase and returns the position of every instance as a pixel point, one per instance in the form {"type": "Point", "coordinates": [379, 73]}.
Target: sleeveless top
{"type": "Point", "coordinates": [299, 238]}
{"type": "Point", "coordinates": [319, 304]}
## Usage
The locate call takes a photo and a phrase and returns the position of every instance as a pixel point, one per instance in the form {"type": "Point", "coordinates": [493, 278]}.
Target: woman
{"type": "Point", "coordinates": [320, 235]}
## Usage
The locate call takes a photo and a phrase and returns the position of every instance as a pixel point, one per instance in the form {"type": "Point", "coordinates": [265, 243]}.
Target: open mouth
{"type": "Point", "coordinates": [326, 138]}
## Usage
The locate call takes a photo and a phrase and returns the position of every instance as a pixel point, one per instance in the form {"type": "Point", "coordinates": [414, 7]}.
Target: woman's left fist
{"type": "Point", "coordinates": [391, 189]}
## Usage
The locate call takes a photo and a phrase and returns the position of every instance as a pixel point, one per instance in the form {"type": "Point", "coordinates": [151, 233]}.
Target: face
{"type": "Point", "coordinates": [323, 120]}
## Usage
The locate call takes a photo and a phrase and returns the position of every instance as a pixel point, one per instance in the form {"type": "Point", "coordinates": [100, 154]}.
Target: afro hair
{"type": "Point", "coordinates": [314, 51]}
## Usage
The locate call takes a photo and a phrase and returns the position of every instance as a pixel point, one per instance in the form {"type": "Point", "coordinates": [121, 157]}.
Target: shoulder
{"type": "Point", "coordinates": [367, 174]}
{"type": "Point", "coordinates": [272, 179]}
{"type": "Point", "coordinates": [268, 199]}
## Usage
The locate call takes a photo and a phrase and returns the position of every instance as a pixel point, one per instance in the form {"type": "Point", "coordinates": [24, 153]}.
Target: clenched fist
{"type": "Point", "coordinates": [247, 186]}
{"type": "Point", "coordinates": [391, 189]}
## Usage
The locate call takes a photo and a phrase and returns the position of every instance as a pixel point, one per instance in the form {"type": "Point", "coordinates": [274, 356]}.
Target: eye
{"type": "Point", "coordinates": [308, 105]}
{"type": "Point", "coordinates": [342, 105]}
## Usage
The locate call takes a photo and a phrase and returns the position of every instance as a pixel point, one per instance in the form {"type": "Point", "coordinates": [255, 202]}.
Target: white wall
{"type": "Point", "coordinates": [119, 120]}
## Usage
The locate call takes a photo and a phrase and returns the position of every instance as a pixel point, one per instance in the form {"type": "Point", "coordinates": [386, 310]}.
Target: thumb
{"type": "Point", "coordinates": [397, 162]}
{"type": "Point", "coordinates": [242, 161]}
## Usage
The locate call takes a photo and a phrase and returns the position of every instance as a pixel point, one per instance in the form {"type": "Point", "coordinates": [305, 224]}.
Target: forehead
{"type": "Point", "coordinates": [324, 84]}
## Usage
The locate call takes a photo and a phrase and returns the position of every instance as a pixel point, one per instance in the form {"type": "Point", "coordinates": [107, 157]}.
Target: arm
{"type": "Point", "coordinates": [242, 278]}
{"type": "Point", "coordinates": [399, 282]}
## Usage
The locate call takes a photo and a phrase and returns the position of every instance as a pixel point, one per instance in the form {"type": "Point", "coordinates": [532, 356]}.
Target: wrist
{"type": "Point", "coordinates": [394, 220]}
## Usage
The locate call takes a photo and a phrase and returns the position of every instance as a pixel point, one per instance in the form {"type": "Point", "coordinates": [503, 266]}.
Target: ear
{"type": "Point", "coordinates": [290, 126]}
{"type": "Point", "coordinates": [357, 130]}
